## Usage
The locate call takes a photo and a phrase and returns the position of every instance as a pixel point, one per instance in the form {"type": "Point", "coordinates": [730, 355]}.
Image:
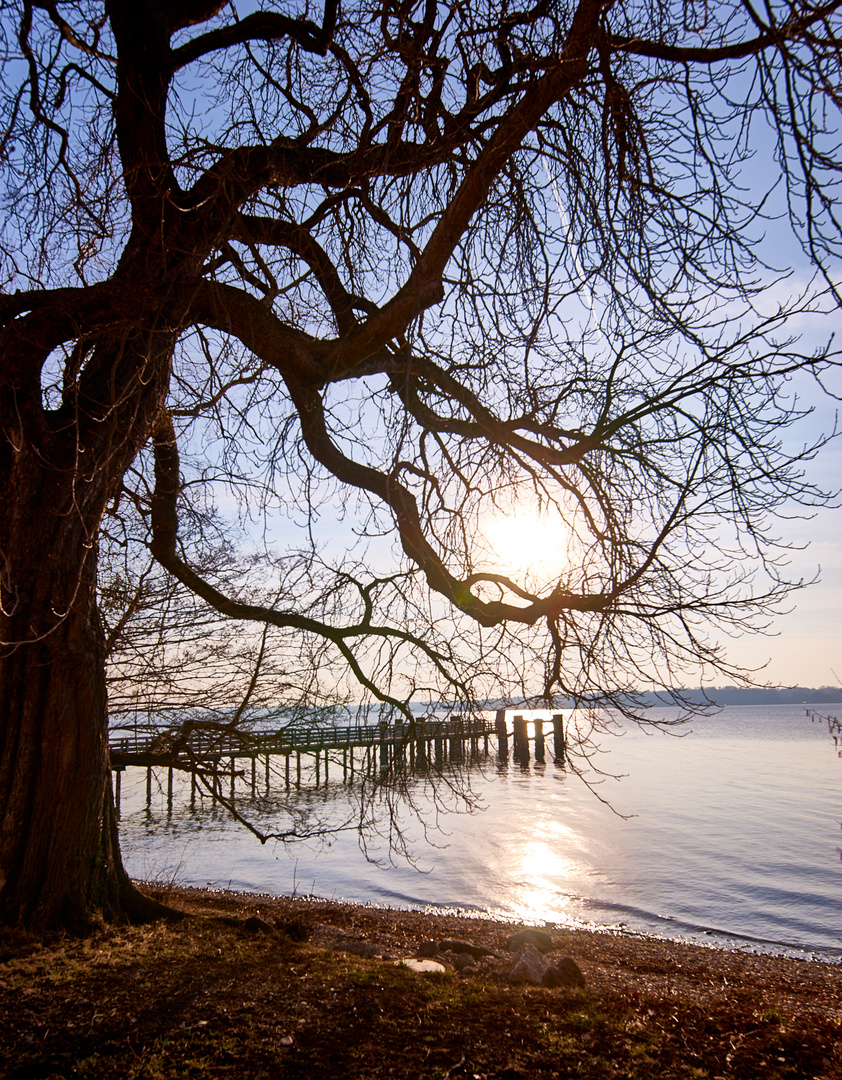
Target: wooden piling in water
{"type": "Point", "coordinates": [502, 733]}
{"type": "Point", "coordinates": [559, 742]}
{"type": "Point", "coordinates": [559, 745]}
{"type": "Point", "coordinates": [539, 739]}
{"type": "Point", "coordinates": [520, 738]}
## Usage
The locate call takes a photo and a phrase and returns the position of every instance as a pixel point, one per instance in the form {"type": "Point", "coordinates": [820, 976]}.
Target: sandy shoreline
{"type": "Point", "coordinates": [717, 940]}
{"type": "Point", "coordinates": [639, 963]}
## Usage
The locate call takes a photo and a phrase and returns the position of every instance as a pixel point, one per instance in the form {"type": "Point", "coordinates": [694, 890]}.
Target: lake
{"type": "Point", "coordinates": [729, 834]}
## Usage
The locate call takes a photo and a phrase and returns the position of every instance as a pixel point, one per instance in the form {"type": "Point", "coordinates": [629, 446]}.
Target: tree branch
{"type": "Point", "coordinates": [261, 26]}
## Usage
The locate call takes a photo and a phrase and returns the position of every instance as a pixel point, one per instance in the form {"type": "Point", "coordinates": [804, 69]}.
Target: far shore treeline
{"type": "Point", "coordinates": [716, 696]}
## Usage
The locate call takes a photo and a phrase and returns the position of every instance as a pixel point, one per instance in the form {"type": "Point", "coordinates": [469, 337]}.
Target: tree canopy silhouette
{"type": "Point", "coordinates": [372, 275]}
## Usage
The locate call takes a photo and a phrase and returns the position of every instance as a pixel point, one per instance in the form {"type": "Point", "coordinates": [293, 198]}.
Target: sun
{"type": "Point", "coordinates": [528, 546]}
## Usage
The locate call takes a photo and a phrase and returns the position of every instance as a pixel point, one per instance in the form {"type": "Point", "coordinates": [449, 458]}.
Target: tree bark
{"type": "Point", "coordinates": [60, 863]}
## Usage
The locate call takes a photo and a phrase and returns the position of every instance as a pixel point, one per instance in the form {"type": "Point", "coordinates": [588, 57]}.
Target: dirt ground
{"type": "Point", "coordinates": [249, 986]}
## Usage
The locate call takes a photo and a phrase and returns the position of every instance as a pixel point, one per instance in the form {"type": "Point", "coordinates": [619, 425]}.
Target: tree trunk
{"type": "Point", "coordinates": [60, 861]}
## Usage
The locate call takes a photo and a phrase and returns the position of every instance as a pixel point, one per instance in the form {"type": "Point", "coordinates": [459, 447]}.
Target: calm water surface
{"type": "Point", "coordinates": [730, 834]}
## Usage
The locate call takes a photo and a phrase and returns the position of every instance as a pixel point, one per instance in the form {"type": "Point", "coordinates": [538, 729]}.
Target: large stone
{"type": "Point", "coordinates": [423, 965]}
{"type": "Point", "coordinates": [460, 960]}
{"type": "Point", "coordinates": [564, 972]}
{"type": "Point", "coordinates": [539, 939]}
{"type": "Point", "coordinates": [428, 948]}
{"type": "Point", "coordinates": [529, 966]}
{"type": "Point", "coordinates": [455, 946]}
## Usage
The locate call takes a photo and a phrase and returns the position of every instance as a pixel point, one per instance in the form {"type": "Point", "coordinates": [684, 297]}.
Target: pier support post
{"type": "Point", "coordinates": [521, 738]}
{"type": "Point", "coordinates": [559, 745]}
{"type": "Point", "coordinates": [539, 740]}
{"type": "Point", "coordinates": [502, 733]}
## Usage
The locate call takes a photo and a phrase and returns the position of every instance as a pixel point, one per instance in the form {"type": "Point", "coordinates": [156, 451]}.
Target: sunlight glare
{"type": "Point", "coordinates": [528, 545]}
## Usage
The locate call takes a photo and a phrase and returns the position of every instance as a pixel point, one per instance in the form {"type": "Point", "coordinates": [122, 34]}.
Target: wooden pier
{"type": "Point", "coordinates": [129, 747]}
{"type": "Point", "coordinates": [422, 744]}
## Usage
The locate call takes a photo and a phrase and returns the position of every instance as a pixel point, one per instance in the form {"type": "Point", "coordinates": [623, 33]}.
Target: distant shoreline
{"type": "Point", "coordinates": [817, 697]}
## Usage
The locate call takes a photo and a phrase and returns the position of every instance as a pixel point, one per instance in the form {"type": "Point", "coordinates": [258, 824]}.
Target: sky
{"type": "Point", "coordinates": [806, 646]}
{"type": "Point", "coordinates": [806, 649]}
{"type": "Point", "coordinates": [806, 643]}
{"type": "Point", "coordinates": [803, 645]}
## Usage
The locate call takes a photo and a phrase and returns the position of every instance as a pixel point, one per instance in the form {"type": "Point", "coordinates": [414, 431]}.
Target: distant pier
{"type": "Point", "coordinates": [834, 726]}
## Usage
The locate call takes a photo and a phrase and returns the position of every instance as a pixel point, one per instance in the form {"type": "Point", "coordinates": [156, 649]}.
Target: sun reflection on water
{"type": "Point", "coordinates": [540, 875]}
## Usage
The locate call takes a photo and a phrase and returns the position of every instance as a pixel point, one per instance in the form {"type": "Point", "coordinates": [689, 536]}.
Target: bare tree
{"type": "Point", "coordinates": [416, 264]}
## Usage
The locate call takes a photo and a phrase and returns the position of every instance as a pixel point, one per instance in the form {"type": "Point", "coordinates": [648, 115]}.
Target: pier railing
{"type": "Point", "coordinates": [201, 744]}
